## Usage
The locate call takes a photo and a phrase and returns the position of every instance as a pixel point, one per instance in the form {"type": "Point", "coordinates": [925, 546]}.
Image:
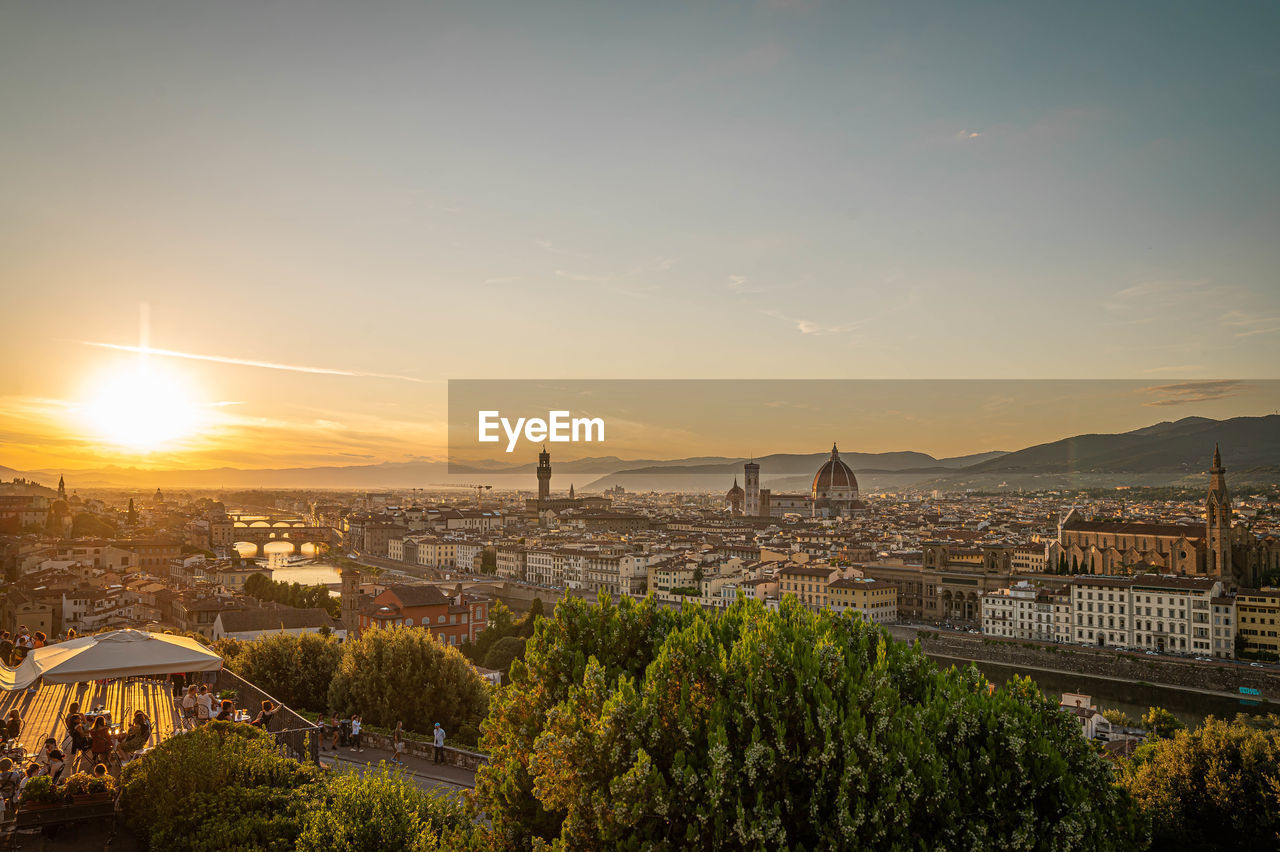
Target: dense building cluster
{"type": "Point", "coordinates": [1174, 575]}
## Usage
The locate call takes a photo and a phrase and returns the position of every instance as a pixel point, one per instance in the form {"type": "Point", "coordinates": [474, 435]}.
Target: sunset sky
{"type": "Point", "coordinates": [346, 205]}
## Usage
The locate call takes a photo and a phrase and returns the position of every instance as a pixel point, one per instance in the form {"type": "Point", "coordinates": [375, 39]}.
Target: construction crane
{"type": "Point", "coordinates": [480, 489]}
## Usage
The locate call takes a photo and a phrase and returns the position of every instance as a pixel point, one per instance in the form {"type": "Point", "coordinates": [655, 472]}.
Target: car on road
{"type": "Point", "coordinates": [1255, 665]}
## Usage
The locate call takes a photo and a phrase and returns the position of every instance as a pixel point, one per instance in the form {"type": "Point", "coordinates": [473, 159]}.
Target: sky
{"type": "Point", "coordinates": [395, 194]}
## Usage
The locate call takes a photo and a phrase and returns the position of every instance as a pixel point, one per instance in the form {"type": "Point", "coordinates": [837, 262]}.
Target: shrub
{"type": "Point", "coordinates": [222, 786]}
{"type": "Point", "coordinates": [402, 674]}
{"type": "Point", "coordinates": [1217, 784]}
{"type": "Point", "coordinates": [41, 791]}
{"type": "Point", "coordinates": [376, 811]}
{"type": "Point", "coordinates": [84, 783]}
{"type": "Point", "coordinates": [296, 670]}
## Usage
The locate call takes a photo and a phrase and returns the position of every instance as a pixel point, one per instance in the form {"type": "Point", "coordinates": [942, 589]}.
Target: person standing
{"type": "Point", "coordinates": [397, 744]}
{"type": "Point", "coordinates": [439, 742]}
{"type": "Point", "coordinates": [335, 731]}
{"type": "Point", "coordinates": [355, 733]}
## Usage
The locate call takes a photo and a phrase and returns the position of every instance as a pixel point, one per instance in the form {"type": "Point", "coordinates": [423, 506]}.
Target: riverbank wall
{"type": "Point", "coordinates": [1221, 678]}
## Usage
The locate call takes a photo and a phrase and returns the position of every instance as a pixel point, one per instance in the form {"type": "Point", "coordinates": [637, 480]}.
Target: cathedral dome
{"type": "Point", "coordinates": [833, 474]}
{"type": "Point", "coordinates": [736, 489]}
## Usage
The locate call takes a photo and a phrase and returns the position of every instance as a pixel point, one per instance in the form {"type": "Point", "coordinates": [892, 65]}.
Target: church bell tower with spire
{"type": "Point", "coordinates": [1218, 522]}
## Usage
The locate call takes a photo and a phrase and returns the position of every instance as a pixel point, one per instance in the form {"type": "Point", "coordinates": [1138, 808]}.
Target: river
{"type": "Point", "coordinates": [306, 573]}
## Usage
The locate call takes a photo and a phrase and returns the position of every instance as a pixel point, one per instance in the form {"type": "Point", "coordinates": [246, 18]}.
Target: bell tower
{"type": "Point", "coordinates": [544, 474]}
{"type": "Point", "coordinates": [1217, 517]}
{"type": "Point", "coordinates": [351, 602]}
{"type": "Point", "coordinates": [752, 506]}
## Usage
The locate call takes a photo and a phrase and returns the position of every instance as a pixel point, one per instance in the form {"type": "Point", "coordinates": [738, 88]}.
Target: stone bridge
{"type": "Point", "coordinates": [261, 530]}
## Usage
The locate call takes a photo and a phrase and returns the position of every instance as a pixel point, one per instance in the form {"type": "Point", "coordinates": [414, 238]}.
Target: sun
{"type": "Point", "coordinates": [142, 407]}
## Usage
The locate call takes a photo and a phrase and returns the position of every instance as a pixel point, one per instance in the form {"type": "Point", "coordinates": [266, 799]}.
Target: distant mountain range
{"type": "Point", "coordinates": [1180, 446]}
{"type": "Point", "coordinates": [1163, 453]}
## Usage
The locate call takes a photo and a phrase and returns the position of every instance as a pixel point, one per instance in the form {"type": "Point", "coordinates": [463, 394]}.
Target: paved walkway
{"type": "Point", "coordinates": [427, 775]}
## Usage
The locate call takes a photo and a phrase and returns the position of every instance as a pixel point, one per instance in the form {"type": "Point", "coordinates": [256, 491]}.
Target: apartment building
{"type": "Point", "coordinates": [1258, 613]}
{"type": "Point", "coordinates": [876, 600]}
{"type": "Point", "coordinates": [1025, 612]}
{"type": "Point", "coordinates": [1225, 623]}
{"type": "Point", "coordinates": [1148, 611]}
{"type": "Point", "coordinates": [512, 561]}
{"type": "Point", "coordinates": [808, 583]}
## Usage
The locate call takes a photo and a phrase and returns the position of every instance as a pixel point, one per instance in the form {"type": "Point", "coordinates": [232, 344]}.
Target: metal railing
{"type": "Point", "coordinates": [298, 737]}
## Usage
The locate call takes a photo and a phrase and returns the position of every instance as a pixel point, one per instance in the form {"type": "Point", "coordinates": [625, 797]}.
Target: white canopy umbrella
{"type": "Point", "coordinates": [120, 653]}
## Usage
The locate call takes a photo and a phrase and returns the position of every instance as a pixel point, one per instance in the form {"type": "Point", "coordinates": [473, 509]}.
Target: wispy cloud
{"type": "Point", "coordinates": [966, 135]}
{"type": "Point", "coordinates": [243, 362]}
{"type": "Point", "coordinates": [1181, 368]}
{"type": "Point", "coordinates": [1186, 393]}
{"type": "Point", "coordinates": [742, 285]}
{"type": "Point", "coordinates": [578, 276]}
{"type": "Point", "coordinates": [813, 327]}
{"type": "Point", "coordinates": [552, 248]}
{"type": "Point", "coordinates": [1244, 324]}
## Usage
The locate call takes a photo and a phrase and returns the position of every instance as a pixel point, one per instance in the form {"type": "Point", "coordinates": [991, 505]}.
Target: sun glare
{"type": "Point", "coordinates": [141, 407]}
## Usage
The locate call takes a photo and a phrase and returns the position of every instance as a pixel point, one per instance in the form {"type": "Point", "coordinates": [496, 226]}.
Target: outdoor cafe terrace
{"type": "Point", "coordinates": [126, 671]}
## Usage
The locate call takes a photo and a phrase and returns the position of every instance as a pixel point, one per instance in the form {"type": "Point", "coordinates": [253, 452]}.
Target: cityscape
{"type": "Point", "coordinates": [500, 427]}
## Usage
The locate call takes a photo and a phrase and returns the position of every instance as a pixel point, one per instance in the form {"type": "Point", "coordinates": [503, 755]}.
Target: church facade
{"type": "Point", "coordinates": [1221, 548]}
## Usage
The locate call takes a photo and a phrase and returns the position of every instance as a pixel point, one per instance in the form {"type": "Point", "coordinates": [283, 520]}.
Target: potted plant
{"type": "Point", "coordinates": [227, 694]}
{"type": "Point", "coordinates": [84, 788]}
{"type": "Point", "coordinates": [40, 793]}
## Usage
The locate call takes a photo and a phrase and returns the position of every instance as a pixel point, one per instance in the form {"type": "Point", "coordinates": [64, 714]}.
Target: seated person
{"type": "Point", "coordinates": [100, 771]}
{"type": "Point", "coordinates": [10, 782]}
{"type": "Point", "coordinates": [12, 728]}
{"type": "Point", "coordinates": [81, 745]}
{"type": "Point", "coordinates": [228, 711]}
{"type": "Point", "coordinates": [100, 740]}
{"type": "Point", "coordinates": [32, 771]}
{"type": "Point", "coordinates": [136, 737]}
{"type": "Point", "coordinates": [51, 760]}
{"type": "Point", "coordinates": [265, 715]}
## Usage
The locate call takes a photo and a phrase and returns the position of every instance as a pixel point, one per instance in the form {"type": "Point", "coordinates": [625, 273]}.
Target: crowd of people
{"type": "Point", "coordinates": [14, 648]}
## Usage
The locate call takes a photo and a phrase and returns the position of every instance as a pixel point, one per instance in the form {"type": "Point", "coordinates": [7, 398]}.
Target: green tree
{"type": "Point", "coordinates": [378, 810]}
{"type": "Point", "coordinates": [292, 594]}
{"type": "Point", "coordinates": [500, 624]}
{"type": "Point", "coordinates": [1216, 785]}
{"type": "Point", "coordinates": [405, 675]}
{"type": "Point", "coordinates": [524, 628]}
{"type": "Point", "coordinates": [89, 525]}
{"type": "Point", "coordinates": [297, 670]}
{"type": "Point", "coordinates": [1161, 722]}
{"type": "Point", "coordinates": [505, 651]}
{"type": "Point", "coordinates": [1118, 717]}
{"type": "Point", "coordinates": [633, 726]}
